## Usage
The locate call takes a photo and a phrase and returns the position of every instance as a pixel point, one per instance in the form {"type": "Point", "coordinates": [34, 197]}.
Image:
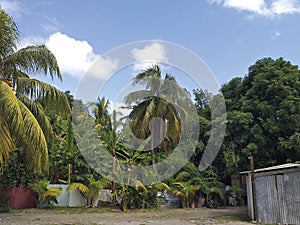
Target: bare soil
{"type": "Point", "coordinates": [97, 216]}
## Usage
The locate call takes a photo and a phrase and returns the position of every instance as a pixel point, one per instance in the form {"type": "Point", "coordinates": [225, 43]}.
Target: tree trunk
{"type": "Point", "coordinates": [113, 183]}
{"type": "Point", "coordinates": [193, 204]}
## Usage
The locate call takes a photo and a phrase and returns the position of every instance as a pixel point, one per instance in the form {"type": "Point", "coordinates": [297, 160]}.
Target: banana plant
{"type": "Point", "coordinates": [186, 191]}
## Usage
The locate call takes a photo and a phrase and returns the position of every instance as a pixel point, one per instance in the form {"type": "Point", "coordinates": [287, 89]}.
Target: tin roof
{"type": "Point", "coordinates": [278, 167]}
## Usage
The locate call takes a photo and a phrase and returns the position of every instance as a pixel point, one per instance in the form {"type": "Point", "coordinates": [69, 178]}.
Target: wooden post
{"type": "Point", "coordinates": [253, 188]}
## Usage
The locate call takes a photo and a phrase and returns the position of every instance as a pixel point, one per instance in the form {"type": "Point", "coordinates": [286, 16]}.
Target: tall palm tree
{"type": "Point", "coordinates": [157, 101]}
{"type": "Point", "coordinates": [106, 127]}
{"type": "Point", "coordinates": [23, 122]}
{"type": "Point", "coordinates": [101, 113]}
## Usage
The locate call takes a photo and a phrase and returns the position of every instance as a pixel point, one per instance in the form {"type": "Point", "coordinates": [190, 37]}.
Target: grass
{"type": "Point", "coordinates": [233, 218]}
{"type": "Point", "coordinates": [71, 210]}
{"type": "Point", "coordinates": [79, 210]}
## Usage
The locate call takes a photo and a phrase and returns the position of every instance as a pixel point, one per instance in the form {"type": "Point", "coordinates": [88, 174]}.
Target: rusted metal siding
{"type": "Point", "coordinates": [278, 198]}
{"type": "Point", "coordinates": [20, 197]}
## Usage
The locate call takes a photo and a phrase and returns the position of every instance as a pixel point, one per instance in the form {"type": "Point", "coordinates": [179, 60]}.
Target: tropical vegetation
{"type": "Point", "coordinates": [46, 195]}
{"type": "Point", "coordinates": [23, 121]}
{"type": "Point", "coordinates": [41, 144]}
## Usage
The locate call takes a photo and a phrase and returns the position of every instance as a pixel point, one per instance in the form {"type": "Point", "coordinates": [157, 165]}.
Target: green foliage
{"type": "Point", "coordinates": [186, 191]}
{"type": "Point", "coordinates": [263, 115]}
{"type": "Point", "coordinates": [4, 203]}
{"type": "Point", "coordinates": [90, 188]}
{"type": "Point", "coordinates": [263, 112]}
{"type": "Point", "coordinates": [44, 192]}
{"type": "Point", "coordinates": [22, 120]}
{"type": "Point", "coordinates": [63, 151]}
{"type": "Point", "coordinates": [189, 184]}
{"type": "Point", "coordinates": [262, 120]}
{"type": "Point", "coordinates": [144, 197]}
{"type": "Point", "coordinates": [17, 172]}
{"type": "Point", "coordinates": [157, 101]}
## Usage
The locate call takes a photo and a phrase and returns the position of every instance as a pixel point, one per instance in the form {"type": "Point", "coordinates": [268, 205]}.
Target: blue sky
{"type": "Point", "coordinates": [229, 35]}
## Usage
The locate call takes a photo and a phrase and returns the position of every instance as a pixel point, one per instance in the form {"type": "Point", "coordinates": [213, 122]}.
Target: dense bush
{"type": "Point", "coordinates": [4, 203]}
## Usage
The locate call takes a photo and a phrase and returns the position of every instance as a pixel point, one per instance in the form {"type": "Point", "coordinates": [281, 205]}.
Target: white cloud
{"type": "Point", "coordinates": [149, 55]}
{"type": "Point", "coordinates": [285, 7]}
{"type": "Point", "coordinates": [264, 8]}
{"type": "Point", "coordinates": [74, 57]}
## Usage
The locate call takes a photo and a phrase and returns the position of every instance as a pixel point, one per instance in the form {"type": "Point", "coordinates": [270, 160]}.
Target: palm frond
{"type": "Point", "coordinates": [175, 93]}
{"type": "Point", "coordinates": [151, 78]}
{"type": "Point", "coordinates": [40, 187]}
{"type": "Point", "coordinates": [6, 143]}
{"type": "Point", "coordinates": [161, 186]}
{"type": "Point", "coordinates": [8, 34]}
{"type": "Point", "coordinates": [97, 184]}
{"type": "Point", "coordinates": [37, 110]}
{"type": "Point", "coordinates": [12, 73]}
{"type": "Point", "coordinates": [180, 184]}
{"type": "Point", "coordinates": [140, 117]}
{"type": "Point", "coordinates": [37, 150]}
{"type": "Point", "coordinates": [184, 175]}
{"type": "Point", "coordinates": [152, 71]}
{"type": "Point", "coordinates": [149, 113]}
{"type": "Point", "coordinates": [174, 123]}
{"type": "Point", "coordinates": [178, 193]}
{"type": "Point", "coordinates": [9, 106]}
{"type": "Point", "coordinates": [79, 186]}
{"type": "Point", "coordinates": [138, 185]}
{"type": "Point", "coordinates": [52, 192]}
{"type": "Point", "coordinates": [137, 96]}
{"type": "Point", "coordinates": [39, 90]}
{"type": "Point", "coordinates": [34, 60]}
{"type": "Point", "coordinates": [143, 145]}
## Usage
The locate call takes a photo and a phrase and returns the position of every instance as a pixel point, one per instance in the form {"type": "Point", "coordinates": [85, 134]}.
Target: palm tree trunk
{"type": "Point", "coordinates": [113, 183]}
{"type": "Point", "coordinates": [193, 204]}
{"type": "Point", "coordinates": [153, 152]}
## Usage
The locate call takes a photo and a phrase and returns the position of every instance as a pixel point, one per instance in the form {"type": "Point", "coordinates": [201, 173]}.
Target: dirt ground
{"type": "Point", "coordinates": [67, 216]}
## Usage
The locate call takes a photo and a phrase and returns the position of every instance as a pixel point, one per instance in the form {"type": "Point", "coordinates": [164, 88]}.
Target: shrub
{"type": "Point", "coordinates": [4, 203]}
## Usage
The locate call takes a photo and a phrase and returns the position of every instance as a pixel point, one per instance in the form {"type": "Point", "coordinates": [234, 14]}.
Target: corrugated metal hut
{"type": "Point", "coordinates": [276, 198]}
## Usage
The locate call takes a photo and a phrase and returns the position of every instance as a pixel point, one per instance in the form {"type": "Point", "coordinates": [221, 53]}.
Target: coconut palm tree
{"type": "Point", "coordinates": [23, 122]}
{"type": "Point", "coordinates": [101, 113]}
{"type": "Point", "coordinates": [158, 109]}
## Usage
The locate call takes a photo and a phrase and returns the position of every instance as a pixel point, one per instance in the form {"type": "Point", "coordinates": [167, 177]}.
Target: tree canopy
{"type": "Point", "coordinates": [263, 115]}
